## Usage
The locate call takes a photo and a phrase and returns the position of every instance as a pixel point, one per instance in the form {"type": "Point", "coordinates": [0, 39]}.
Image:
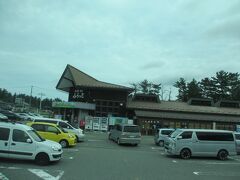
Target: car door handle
{"type": "Point", "coordinates": [6, 143]}
{"type": "Point", "coordinates": [13, 144]}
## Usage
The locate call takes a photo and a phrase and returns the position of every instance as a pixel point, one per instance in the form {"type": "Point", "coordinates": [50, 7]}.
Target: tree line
{"type": "Point", "coordinates": [8, 97]}
{"type": "Point", "coordinates": [222, 86]}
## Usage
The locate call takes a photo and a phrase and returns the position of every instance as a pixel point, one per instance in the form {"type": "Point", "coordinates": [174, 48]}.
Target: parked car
{"type": "Point", "coordinates": [25, 116]}
{"type": "Point", "coordinates": [237, 137]}
{"type": "Point", "coordinates": [54, 132]}
{"type": "Point", "coordinates": [10, 115]}
{"type": "Point", "coordinates": [125, 134]}
{"type": "Point", "coordinates": [35, 115]}
{"type": "Point", "coordinates": [201, 142]}
{"type": "Point", "coordinates": [3, 117]}
{"type": "Point", "coordinates": [65, 125]}
{"type": "Point", "coordinates": [19, 141]}
{"type": "Point", "coordinates": [161, 136]}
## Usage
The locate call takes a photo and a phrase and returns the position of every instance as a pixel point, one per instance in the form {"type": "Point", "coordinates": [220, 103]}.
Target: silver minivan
{"type": "Point", "coordinates": [125, 134]}
{"type": "Point", "coordinates": [201, 142]}
{"type": "Point", "coordinates": [161, 136]}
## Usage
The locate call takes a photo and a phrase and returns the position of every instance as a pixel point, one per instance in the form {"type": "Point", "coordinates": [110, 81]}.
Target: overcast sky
{"type": "Point", "coordinates": [116, 41]}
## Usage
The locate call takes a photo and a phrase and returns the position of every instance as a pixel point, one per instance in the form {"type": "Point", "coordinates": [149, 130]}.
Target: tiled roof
{"type": "Point", "coordinates": [186, 116]}
{"type": "Point", "coordinates": [175, 106]}
{"type": "Point", "coordinates": [79, 78]}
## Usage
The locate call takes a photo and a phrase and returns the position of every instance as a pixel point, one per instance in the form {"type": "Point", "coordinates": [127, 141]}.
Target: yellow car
{"type": "Point", "coordinates": [54, 132]}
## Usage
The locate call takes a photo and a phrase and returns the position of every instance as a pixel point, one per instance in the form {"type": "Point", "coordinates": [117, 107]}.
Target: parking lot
{"type": "Point", "coordinates": [98, 158]}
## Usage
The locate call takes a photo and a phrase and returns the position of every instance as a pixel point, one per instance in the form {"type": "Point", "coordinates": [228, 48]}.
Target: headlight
{"type": "Point", "coordinates": [71, 136]}
{"type": "Point", "coordinates": [54, 148]}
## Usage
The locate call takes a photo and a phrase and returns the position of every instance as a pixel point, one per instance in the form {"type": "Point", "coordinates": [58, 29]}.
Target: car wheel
{"type": "Point", "coordinates": [185, 154]}
{"type": "Point", "coordinates": [222, 155]}
{"type": "Point", "coordinates": [161, 143]}
{"type": "Point", "coordinates": [42, 159]}
{"type": "Point", "coordinates": [63, 143]}
{"type": "Point", "coordinates": [118, 141]}
{"type": "Point", "coordinates": [77, 139]}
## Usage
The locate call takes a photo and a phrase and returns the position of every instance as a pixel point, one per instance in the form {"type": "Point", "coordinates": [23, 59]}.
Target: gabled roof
{"type": "Point", "coordinates": [73, 77]}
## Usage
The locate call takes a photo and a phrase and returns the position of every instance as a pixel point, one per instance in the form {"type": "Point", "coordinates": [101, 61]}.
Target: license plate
{"type": "Point", "coordinates": [132, 136]}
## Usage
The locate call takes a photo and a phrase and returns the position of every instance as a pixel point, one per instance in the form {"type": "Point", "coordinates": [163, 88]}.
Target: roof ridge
{"type": "Point", "coordinates": [98, 81]}
{"type": "Point", "coordinates": [81, 72]}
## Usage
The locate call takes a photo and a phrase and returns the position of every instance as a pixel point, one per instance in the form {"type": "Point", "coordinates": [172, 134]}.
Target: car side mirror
{"type": "Point", "coordinates": [179, 137]}
{"type": "Point", "coordinates": [29, 141]}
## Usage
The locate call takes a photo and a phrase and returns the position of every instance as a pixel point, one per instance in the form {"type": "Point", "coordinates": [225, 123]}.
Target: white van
{"type": "Point", "coordinates": [65, 125]}
{"type": "Point", "coordinates": [201, 142]}
{"type": "Point", "coordinates": [20, 141]}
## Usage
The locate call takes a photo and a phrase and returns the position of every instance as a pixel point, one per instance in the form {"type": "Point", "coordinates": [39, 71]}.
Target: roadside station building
{"type": "Point", "coordinates": [150, 112]}
{"type": "Point", "coordinates": [91, 97]}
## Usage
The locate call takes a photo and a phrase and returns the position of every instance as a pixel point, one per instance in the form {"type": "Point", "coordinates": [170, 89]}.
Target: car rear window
{"type": "Point", "coordinates": [166, 132]}
{"type": "Point", "coordinates": [134, 129]}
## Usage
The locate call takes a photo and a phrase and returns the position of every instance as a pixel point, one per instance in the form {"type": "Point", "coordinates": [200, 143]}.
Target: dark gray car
{"type": "Point", "coordinates": [125, 134]}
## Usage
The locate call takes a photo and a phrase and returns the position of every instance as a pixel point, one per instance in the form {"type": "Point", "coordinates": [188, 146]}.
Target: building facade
{"type": "Point", "coordinates": [91, 97]}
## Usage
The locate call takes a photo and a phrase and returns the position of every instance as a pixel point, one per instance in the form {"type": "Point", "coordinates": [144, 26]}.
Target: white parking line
{"type": "Point", "coordinates": [71, 150]}
{"type": "Point", "coordinates": [3, 177]}
{"type": "Point", "coordinates": [94, 140]}
{"type": "Point", "coordinates": [233, 158]}
{"type": "Point", "coordinates": [39, 172]}
{"type": "Point", "coordinates": [222, 163]}
{"type": "Point", "coordinates": [44, 175]}
{"type": "Point", "coordinates": [3, 167]}
{"type": "Point", "coordinates": [226, 174]}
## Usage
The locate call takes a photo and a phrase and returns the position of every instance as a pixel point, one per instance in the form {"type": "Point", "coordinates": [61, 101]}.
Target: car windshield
{"type": "Point", "coordinates": [175, 133]}
{"type": "Point", "coordinates": [35, 135]}
{"type": "Point", "coordinates": [133, 129]}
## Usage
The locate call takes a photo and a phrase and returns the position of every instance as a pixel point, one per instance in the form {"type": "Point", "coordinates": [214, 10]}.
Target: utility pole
{"type": "Point", "coordinates": [30, 100]}
{"type": "Point", "coordinates": [41, 95]}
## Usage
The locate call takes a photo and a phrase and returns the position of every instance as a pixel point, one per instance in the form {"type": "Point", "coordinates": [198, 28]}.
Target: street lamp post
{"type": "Point", "coordinates": [41, 95]}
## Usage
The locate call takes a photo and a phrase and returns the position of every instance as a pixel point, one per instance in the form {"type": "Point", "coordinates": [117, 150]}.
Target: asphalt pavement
{"type": "Point", "coordinates": [100, 159]}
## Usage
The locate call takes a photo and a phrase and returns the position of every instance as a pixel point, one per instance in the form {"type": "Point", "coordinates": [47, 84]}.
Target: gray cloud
{"type": "Point", "coordinates": [153, 65]}
{"type": "Point", "coordinates": [116, 41]}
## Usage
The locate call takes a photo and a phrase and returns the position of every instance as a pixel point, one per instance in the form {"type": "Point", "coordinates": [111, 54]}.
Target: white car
{"type": "Point", "coordinates": [3, 117]}
{"type": "Point", "coordinates": [20, 141]}
{"type": "Point", "coordinates": [25, 116]}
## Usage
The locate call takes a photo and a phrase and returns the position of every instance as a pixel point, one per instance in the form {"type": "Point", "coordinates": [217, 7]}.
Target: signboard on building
{"type": "Point", "coordinates": [74, 105]}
